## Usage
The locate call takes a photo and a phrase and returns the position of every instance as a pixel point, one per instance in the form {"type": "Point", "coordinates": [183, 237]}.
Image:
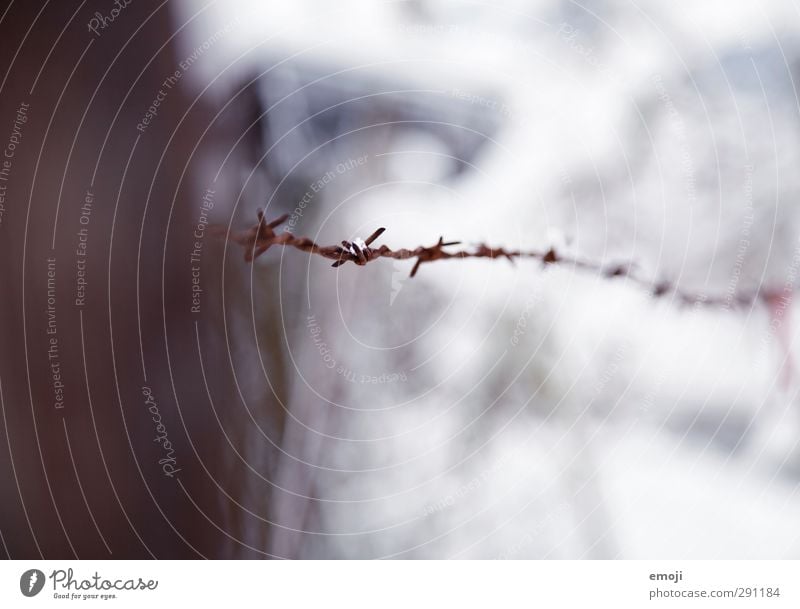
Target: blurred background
{"type": "Point", "coordinates": [162, 398]}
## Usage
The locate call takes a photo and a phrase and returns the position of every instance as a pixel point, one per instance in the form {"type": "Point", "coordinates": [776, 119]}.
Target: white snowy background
{"type": "Point", "coordinates": [529, 413]}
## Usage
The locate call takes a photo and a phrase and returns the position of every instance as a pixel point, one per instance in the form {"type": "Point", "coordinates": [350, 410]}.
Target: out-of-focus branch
{"type": "Point", "coordinates": [259, 238]}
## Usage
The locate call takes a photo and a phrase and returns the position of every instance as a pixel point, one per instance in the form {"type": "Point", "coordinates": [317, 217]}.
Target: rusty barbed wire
{"type": "Point", "coordinates": [259, 238]}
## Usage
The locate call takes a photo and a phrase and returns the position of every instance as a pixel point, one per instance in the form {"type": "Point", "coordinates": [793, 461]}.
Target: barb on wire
{"type": "Point", "coordinates": [259, 238]}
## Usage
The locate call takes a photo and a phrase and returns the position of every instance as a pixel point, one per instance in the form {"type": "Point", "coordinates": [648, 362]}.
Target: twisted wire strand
{"type": "Point", "coordinates": [263, 235]}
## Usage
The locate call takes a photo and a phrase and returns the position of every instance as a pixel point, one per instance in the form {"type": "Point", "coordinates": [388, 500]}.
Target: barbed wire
{"type": "Point", "coordinates": [263, 235]}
